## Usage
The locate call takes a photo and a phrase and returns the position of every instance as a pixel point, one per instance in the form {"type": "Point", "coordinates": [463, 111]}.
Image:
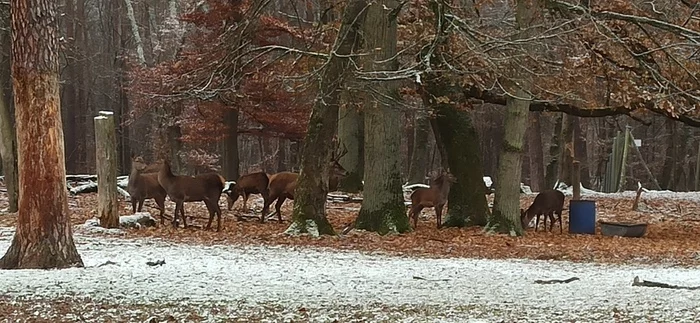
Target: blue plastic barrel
{"type": "Point", "coordinates": [582, 216]}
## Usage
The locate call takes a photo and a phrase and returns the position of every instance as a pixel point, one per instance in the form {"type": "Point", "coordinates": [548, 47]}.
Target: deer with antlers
{"type": "Point", "coordinates": [283, 184]}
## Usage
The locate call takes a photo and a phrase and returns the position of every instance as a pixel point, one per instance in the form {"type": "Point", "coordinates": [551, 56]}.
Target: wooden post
{"type": "Point", "coordinates": [106, 153]}
{"type": "Point", "coordinates": [576, 179]}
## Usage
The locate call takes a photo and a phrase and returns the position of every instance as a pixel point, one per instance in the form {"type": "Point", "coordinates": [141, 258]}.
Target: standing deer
{"type": "Point", "coordinates": [435, 196]}
{"type": "Point", "coordinates": [254, 183]}
{"type": "Point", "coordinates": [204, 187]}
{"type": "Point", "coordinates": [283, 184]}
{"type": "Point", "coordinates": [547, 203]}
{"type": "Point", "coordinates": [144, 185]}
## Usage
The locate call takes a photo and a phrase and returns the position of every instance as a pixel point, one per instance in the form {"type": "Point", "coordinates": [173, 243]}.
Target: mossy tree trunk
{"type": "Point", "coordinates": [43, 238]}
{"type": "Point", "coordinates": [420, 154]}
{"type": "Point", "coordinates": [506, 207]}
{"type": "Point", "coordinates": [309, 214]}
{"type": "Point", "coordinates": [455, 137]}
{"type": "Point", "coordinates": [8, 141]}
{"type": "Point", "coordinates": [382, 210]}
{"type": "Point", "coordinates": [351, 134]}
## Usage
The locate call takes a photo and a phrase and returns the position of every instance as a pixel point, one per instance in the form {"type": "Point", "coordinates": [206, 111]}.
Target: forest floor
{"type": "Point", "coordinates": [252, 271]}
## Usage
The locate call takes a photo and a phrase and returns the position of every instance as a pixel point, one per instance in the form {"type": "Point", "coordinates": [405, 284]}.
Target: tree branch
{"type": "Point", "coordinates": [539, 105]}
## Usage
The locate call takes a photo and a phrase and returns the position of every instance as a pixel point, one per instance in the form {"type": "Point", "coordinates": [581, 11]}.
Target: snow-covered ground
{"type": "Point", "coordinates": [286, 283]}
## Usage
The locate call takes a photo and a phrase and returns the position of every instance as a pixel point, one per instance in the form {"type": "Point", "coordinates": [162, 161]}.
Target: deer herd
{"type": "Point", "coordinates": [157, 181]}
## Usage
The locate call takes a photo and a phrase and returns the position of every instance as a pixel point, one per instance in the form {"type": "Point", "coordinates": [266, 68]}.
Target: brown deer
{"type": "Point", "coordinates": [283, 184]}
{"type": "Point", "coordinates": [204, 187]}
{"type": "Point", "coordinates": [435, 196]}
{"type": "Point", "coordinates": [144, 186]}
{"type": "Point", "coordinates": [254, 183]}
{"type": "Point", "coordinates": [547, 203]}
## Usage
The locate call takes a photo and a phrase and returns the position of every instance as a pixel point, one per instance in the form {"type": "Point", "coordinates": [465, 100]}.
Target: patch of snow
{"type": "Point", "coordinates": [488, 181]}
{"type": "Point", "coordinates": [328, 283]}
{"type": "Point", "coordinates": [137, 220]}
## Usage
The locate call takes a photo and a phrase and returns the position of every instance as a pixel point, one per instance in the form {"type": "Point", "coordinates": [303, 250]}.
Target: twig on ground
{"type": "Point", "coordinates": [638, 282]}
{"type": "Point", "coordinates": [557, 281]}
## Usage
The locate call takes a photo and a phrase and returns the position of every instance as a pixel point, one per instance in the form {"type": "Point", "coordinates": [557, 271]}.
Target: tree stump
{"type": "Point", "coordinates": [106, 154]}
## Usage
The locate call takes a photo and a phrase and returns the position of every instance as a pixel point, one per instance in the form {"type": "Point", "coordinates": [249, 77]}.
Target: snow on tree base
{"type": "Point", "coordinates": [136, 221]}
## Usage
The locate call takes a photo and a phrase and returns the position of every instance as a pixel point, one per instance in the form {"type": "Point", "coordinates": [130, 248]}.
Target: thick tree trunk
{"type": "Point", "coordinates": [106, 162]}
{"type": "Point", "coordinates": [506, 207]}
{"type": "Point", "coordinates": [420, 155]}
{"type": "Point", "coordinates": [456, 139]}
{"type": "Point", "coordinates": [135, 32]}
{"type": "Point", "coordinates": [309, 214]}
{"type": "Point", "coordinates": [350, 134]}
{"type": "Point", "coordinates": [536, 153]}
{"type": "Point", "coordinates": [230, 156]}
{"type": "Point", "coordinates": [668, 172]}
{"type": "Point", "coordinates": [43, 238]}
{"type": "Point", "coordinates": [382, 210]}
{"type": "Point", "coordinates": [580, 152]}
{"type": "Point", "coordinates": [8, 143]}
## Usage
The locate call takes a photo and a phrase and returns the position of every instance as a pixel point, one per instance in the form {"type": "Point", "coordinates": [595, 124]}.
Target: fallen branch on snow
{"type": "Point", "coordinates": [557, 281]}
{"type": "Point", "coordinates": [639, 282]}
{"type": "Point", "coordinates": [431, 280]}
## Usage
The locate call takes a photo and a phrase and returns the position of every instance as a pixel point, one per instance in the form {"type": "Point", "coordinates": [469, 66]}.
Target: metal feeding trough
{"type": "Point", "coordinates": [622, 229]}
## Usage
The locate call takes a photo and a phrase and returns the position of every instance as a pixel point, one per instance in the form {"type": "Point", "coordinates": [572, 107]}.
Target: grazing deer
{"type": "Point", "coordinates": [144, 186]}
{"type": "Point", "coordinates": [254, 183]}
{"type": "Point", "coordinates": [204, 187]}
{"type": "Point", "coordinates": [283, 184]}
{"type": "Point", "coordinates": [435, 196]}
{"type": "Point", "coordinates": [546, 203]}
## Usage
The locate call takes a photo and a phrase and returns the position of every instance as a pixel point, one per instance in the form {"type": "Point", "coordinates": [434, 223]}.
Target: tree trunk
{"type": "Point", "coordinates": [566, 156]}
{"type": "Point", "coordinates": [106, 162]}
{"type": "Point", "coordinates": [668, 171]}
{"type": "Point", "coordinates": [135, 32]}
{"type": "Point", "coordinates": [420, 153]}
{"type": "Point", "coordinates": [455, 138]}
{"type": "Point", "coordinates": [281, 155]}
{"type": "Point", "coordinates": [350, 134]}
{"type": "Point", "coordinates": [554, 152]}
{"type": "Point", "coordinates": [382, 210]}
{"type": "Point", "coordinates": [43, 238]}
{"type": "Point", "coordinates": [309, 214]}
{"type": "Point", "coordinates": [8, 143]}
{"type": "Point", "coordinates": [231, 159]}
{"type": "Point", "coordinates": [506, 207]}
{"type": "Point", "coordinates": [580, 152]}
{"type": "Point", "coordinates": [536, 153]}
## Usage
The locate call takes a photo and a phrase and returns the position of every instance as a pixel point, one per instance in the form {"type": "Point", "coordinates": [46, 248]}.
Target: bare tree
{"type": "Point", "coordinates": [44, 238]}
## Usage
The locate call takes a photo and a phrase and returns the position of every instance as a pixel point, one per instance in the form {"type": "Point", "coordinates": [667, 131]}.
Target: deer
{"type": "Point", "coordinates": [254, 183]}
{"type": "Point", "coordinates": [548, 203]}
{"type": "Point", "coordinates": [203, 187]}
{"type": "Point", "coordinates": [283, 184]}
{"type": "Point", "coordinates": [435, 196]}
{"type": "Point", "coordinates": [143, 185]}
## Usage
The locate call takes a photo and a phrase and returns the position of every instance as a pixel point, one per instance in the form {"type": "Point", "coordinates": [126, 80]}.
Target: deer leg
{"type": "Point", "coordinates": [210, 208]}
{"type": "Point", "coordinates": [438, 215]}
{"type": "Point", "coordinates": [161, 206]}
{"type": "Point", "coordinates": [537, 222]}
{"type": "Point", "coordinates": [175, 214]}
{"type": "Point", "coordinates": [133, 203]}
{"type": "Point", "coordinates": [416, 212]}
{"type": "Point", "coordinates": [561, 230]}
{"type": "Point", "coordinates": [245, 202]}
{"type": "Point", "coordinates": [278, 207]}
{"type": "Point", "coordinates": [266, 202]}
{"type": "Point", "coordinates": [141, 200]}
{"type": "Point", "coordinates": [182, 214]}
{"type": "Point", "coordinates": [217, 209]}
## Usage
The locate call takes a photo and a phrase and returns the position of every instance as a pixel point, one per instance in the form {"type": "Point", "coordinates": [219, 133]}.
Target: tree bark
{"type": "Point", "coordinates": [135, 32]}
{"type": "Point", "coordinates": [382, 210]}
{"type": "Point", "coordinates": [309, 213]}
{"type": "Point", "coordinates": [43, 238]}
{"type": "Point", "coordinates": [554, 152]}
{"type": "Point", "coordinates": [567, 153]}
{"type": "Point", "coordinates": [420, 153]}
{"type": "Point", "coordinates": [231, 159]}
{"type": "Point", "coordinates": [506, 207]}
{"type": "Point", "coordinates": [8, 142]}
{"type": "Point", "coordinates": [106, 162]}
{"type": "Point", "coordinates": [350, 134]}
{"type": "Point", "coordinates": [536, 153]}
